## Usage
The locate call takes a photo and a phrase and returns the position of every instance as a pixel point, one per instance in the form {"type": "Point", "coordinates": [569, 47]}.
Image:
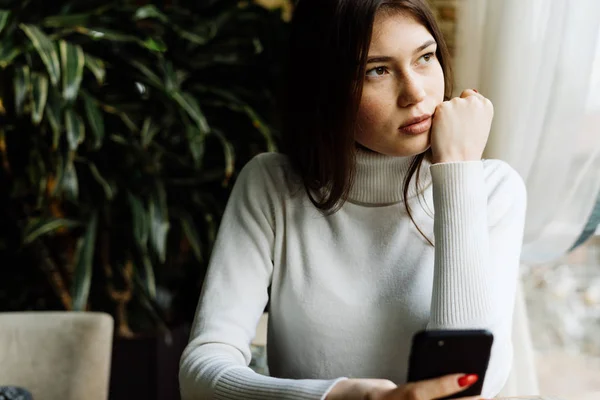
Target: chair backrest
{"type": "Point", "coordinates": [57, 355]}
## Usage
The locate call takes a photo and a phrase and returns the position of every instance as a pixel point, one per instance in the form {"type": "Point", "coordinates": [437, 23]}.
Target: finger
{"type": "Point", "coordinates": [469, 92]}
{"type": "Point", "coordinates": [442, 387]}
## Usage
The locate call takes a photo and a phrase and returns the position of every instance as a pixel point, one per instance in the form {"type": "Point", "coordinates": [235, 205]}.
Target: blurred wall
{"type": "Point", "coordinates": [446, 14]}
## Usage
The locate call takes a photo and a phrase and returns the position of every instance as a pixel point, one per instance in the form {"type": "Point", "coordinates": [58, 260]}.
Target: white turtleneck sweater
{"type": "Point", "coordinates": [348, 291]}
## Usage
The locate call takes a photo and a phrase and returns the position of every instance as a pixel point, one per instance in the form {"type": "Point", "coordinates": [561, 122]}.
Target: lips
{"type": "Point", "coordinates": [415, 120]}
{"type": "Point", "coordinates": [417, 125]}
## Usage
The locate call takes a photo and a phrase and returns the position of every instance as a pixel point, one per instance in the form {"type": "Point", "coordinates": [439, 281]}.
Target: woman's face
{"type": "Point", "coordinates": [404, 84]}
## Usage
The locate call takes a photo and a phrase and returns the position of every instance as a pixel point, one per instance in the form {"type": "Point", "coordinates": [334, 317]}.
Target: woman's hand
{"type": "Point", "coordinates": [461, 127]}
{"type": "Point", "coordinates": [381, 389]}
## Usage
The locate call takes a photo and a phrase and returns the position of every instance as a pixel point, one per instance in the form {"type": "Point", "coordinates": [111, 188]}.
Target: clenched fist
{"type": "Point", "coordinates": [461, 127]}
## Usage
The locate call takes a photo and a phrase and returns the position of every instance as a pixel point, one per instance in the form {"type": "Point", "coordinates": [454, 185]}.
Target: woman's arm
{"type": "Point", "coordinates": [478, 226]}
{"type": "Point", "coordinates": [215, 363]}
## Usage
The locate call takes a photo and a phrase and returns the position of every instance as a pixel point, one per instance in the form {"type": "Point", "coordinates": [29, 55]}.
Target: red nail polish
{"type": "Point", "coordinates": [467, 380]}
{"type": "Point", "coordinates": [475, 90]}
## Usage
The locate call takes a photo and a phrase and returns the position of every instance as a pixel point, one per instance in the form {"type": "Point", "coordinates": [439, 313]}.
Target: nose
{"type": "Point", "coordinates": [411, 91]}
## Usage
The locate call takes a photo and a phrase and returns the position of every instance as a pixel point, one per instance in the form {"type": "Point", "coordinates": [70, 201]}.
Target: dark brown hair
{"type": "Point", "coordinates": [325, 71]}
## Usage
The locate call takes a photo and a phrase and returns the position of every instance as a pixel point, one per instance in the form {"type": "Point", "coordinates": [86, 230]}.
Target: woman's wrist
{"type": "Point", "coordinates": [452, 159]}
{"type": "Point", "coordinates": [340, 388]}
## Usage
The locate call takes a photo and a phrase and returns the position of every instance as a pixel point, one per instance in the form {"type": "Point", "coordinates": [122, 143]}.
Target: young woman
{"type": "Point", "coordinates": [380, 219]}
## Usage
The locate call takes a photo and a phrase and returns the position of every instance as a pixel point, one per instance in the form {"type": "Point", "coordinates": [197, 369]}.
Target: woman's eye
{"type": "Point", "coordinates": [377, 71]}
{"type": "Point", "coordinates": [426, 58]}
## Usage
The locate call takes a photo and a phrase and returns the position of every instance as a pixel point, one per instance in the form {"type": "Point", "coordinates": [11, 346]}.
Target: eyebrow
{"type": "Point", "coordinates": [375, 59]}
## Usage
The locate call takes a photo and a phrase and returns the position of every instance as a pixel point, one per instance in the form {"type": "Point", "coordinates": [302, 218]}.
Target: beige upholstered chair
{"type": "Point", "coordinates": [57, 355]}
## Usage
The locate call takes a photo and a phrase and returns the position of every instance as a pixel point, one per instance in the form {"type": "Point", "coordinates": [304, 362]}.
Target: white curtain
{"type": "Point", "coordinates": [539, 63]}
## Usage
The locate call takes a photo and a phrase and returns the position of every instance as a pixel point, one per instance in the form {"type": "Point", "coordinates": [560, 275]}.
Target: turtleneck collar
{"type": "Point", "coordinates": [379, 178]}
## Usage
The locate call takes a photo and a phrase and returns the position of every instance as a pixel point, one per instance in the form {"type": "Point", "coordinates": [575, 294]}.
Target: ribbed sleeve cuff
{"type": "Point", "coordinates": [461, 293]}
{"type": "Point", "coordinates": [243, 383]}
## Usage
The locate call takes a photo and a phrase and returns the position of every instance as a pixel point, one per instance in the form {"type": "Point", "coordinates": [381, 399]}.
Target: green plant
{"type": "Point", "coordinates": [121, 128]}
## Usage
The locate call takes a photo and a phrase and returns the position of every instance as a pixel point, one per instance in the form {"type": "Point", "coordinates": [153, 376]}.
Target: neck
{"type": "Point", "coordinates": [380, 179]}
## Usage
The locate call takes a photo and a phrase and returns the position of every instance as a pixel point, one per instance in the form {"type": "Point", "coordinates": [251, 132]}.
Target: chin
{"type": "Point", "coordinates": [404, 149]}
{"type": "Point", "coordinates": [398, 146]}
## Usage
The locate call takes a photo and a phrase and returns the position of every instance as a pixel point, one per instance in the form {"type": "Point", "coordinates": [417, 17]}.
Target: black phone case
{"type": "Point", "coordinates": [443, 352]}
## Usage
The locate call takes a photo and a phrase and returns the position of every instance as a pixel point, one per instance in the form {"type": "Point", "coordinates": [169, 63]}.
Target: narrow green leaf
{"type": "Point", "coordinates": [149, 11]}
{"type": "Point", "coordinates": [191, 36]}
{"type": "Point", "coordinates": [228, 154]}
{"type": "Point", "coordinates": [66, 177]}
{"type": "Point", "coordinates": [153, 78]}
{"type": "Point", "coordinates": [22, 84]}
{"type": "Point", "coordinates": [70, 183]}
{"type": "Point", "coordinates": [8, 52]}
{"type": "Point", "coordinates": [159, 222]}
{"type": "Point", "coordinates": [71, 20]}
{"type": "Point", "coordinates": [34, 168]}
{"type": "Point", "coordinates": [84, 259]}
{"type": "Point", "coordinates": [128, 122]}
{"type": "Point", "coordinates": [211, 228]}
{"type": "Point", "coordinates": [257, 121]}
{"type": "Point", "coordinates": [39, 84]}
{"type": "Point", "coordinates": [123, 116]}
{"type": "Point", "coordinates": [109, 192]}
{"type": "Point", "coordinates": [120, 140]}
{"type": "Point", "coordinates": [232, 58]}
{"type": "Point", "coordinates": [72, 62]}
{"type": "Point", "coordinates": [189, 228]}
{"type": "Point", "coordinates": [53, 113]}
{"type": "Point", "coordinates": [149, 302]}
{"type": "Point", "coordinates": [149, 130]}
{"type": "Point", "coordinates": [96, 66]}
{"type": "Point", "coordinates": [4, 16]}
{"type": "Point", "coordinates": [171, 84]}
{"type": "Point", "coordinates": [181, 76]}
{"type": "Point", "coordinates": [148, 278]}
{"type": "Point", "coordinates": [39, 227]}
{"type": "Point", "coordinates": [107, 34]}
{"type": "Point", "coordinates": [45, 49]}
{"type": "Point", "coordinates": [234, 103]}
{"type": "Point", "coordinates": [75, 129]}
{"type": "Point", "coordinates": [196, 140]}
{"type": "Point", "coordinates": [42, 179]}
{"type": "Point", "coordinates": [155, 44]}
{"type": "Point", "coordinates": [65, 21]}
{"type": "Point", "coordinates": [262, 127]}
{"type": "Point", "coordinates": [258, 46]}
{"type": "Point", "coordinates": [140, 219]}
{"type": "Point", "coordinates": [141, 231]}
{"type": "Point", "coordinates": [114, 36]}
{"type": "Point", "coordinates": [219, 92]}
{"type": "Point", "coordinates": [190, 105]}
{"type": "Point", "coordinates": [95, 119]}
{"type": "Point", "coordinates": [60, 173]}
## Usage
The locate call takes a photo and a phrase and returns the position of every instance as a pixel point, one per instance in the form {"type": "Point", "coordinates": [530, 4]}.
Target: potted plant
{"type": "Point", "coordinates": [122, 128]}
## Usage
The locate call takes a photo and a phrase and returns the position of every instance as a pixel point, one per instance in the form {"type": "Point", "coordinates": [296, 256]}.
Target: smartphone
{"type": "Point", "coordinates": [437, 353]}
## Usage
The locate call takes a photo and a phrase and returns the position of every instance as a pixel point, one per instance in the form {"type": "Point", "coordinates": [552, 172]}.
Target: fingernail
{"type": "Point", "coordinates": [467, 380]}
{"type": "Point", "coordinates": [475, 90]}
